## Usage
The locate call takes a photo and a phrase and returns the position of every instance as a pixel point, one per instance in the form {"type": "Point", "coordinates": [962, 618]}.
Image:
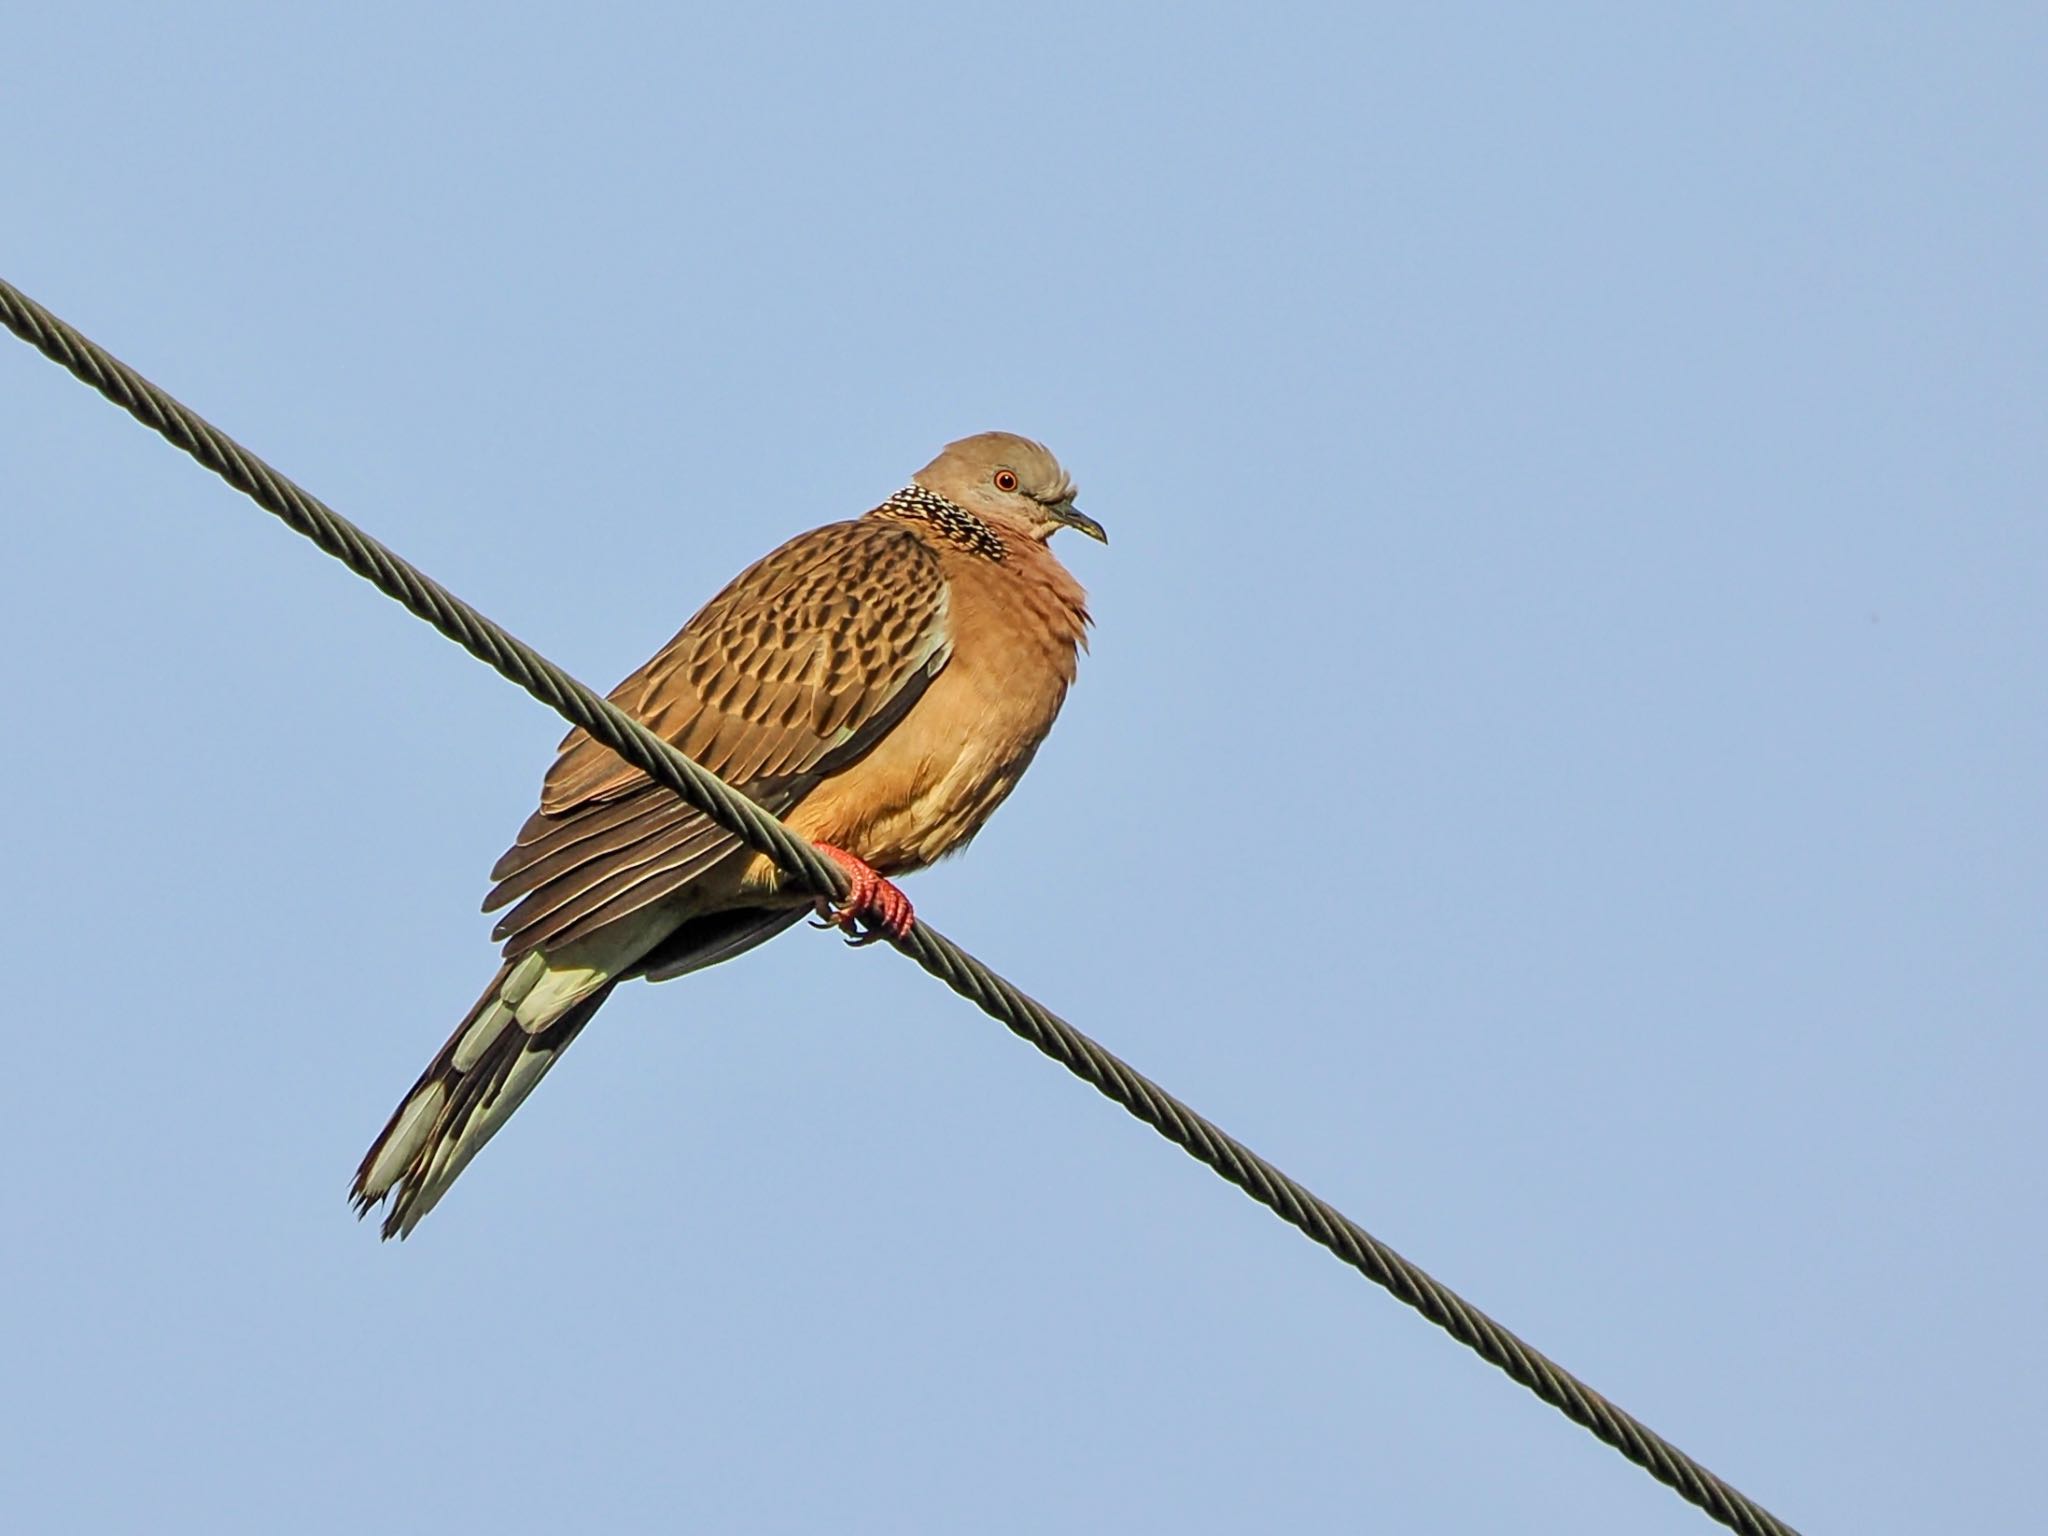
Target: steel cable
{"type": "Point", "coordinates": [1022, 1015]}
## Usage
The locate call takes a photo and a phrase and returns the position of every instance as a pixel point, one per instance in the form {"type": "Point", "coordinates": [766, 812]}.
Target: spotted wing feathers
{"type": "Point", "coordinates": [792, 671]}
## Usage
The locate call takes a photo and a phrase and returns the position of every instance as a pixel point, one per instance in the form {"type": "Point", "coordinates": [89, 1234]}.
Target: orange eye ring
{"type": "Point", "coordinates": [1006, 480]}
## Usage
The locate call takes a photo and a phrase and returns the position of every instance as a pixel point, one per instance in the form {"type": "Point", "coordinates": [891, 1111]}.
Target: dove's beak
{"type": "Point", "coordinates": [1071, 516]}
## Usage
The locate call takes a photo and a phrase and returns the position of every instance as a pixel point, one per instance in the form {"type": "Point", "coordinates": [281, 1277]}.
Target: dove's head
{"type": "Point", "coordinates": [1010, 481]}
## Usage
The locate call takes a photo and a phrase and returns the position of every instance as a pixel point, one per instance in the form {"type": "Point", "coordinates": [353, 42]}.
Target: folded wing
{"type": "Point", "coordinates": [793, 671]}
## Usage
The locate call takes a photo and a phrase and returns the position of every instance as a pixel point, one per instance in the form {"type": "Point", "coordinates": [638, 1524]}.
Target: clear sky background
{"type": "Point", "coordinates": [1561, 767]}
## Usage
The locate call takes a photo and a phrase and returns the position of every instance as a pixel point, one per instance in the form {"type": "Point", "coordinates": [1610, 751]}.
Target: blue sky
{"type": "Point", "coordinates": [1559, 770]}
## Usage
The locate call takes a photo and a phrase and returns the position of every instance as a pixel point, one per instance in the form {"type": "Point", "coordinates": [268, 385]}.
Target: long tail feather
{"type": "Point", "coordinates": [487, 1068]}
{"type": "Point", "coordinates": [505, 1044]}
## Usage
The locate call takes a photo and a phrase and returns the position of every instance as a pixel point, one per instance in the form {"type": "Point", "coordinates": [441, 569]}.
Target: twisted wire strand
{"type": "Point", "coordinates": [1028, 1019]}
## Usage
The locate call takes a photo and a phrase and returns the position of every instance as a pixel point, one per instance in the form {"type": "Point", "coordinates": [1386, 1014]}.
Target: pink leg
{"type": "Point", "coordinates": [873, 908]}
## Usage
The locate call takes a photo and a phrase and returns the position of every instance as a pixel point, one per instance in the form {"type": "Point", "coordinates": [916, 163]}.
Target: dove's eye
{"type": "Point", "coordinates": [1006, 480]}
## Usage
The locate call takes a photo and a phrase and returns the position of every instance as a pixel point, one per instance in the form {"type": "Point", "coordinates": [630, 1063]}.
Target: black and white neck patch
{"type": "Point", "coordinates": [951, 521]}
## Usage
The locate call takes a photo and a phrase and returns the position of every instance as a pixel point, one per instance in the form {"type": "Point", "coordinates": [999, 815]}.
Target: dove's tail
{"type": "Point", "coordinates": [504, 1045]}
{"type": "Point", "coordinates": [526, 1018]}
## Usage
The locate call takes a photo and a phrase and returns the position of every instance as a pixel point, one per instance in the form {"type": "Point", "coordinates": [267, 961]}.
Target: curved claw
{"type": "Point", "coordinates": [874, 908]}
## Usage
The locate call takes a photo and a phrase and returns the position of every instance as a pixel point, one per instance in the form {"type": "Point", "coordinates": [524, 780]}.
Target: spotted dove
{"type": "Point", "coordinates": [880, 684]}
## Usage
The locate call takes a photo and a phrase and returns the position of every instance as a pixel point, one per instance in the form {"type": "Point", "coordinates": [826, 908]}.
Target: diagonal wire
{"type": "Point", "coordinates": [1023, 1016]}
